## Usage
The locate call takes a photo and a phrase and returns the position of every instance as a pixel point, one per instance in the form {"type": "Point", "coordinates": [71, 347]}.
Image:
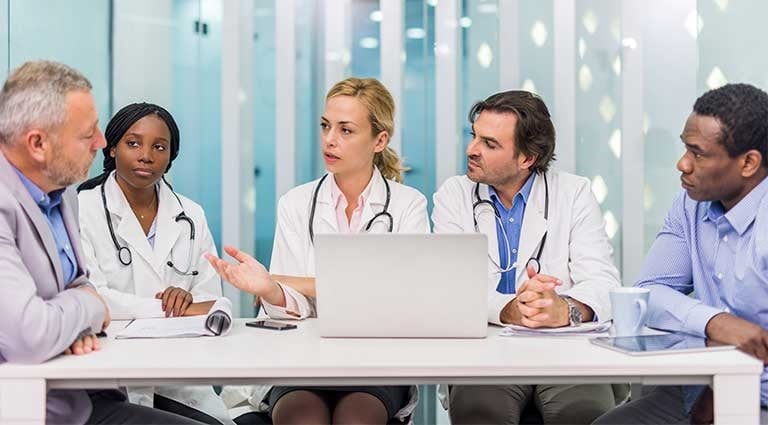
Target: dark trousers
{"type": "Point", "coordinates": [168, 405]}
{"type": "Point", "coordinates": [504, 404]}
{"type": "Point", "coordinates": [112, 407]}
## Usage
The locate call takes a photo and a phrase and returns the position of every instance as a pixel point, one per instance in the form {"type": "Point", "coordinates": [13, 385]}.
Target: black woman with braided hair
{"type": "Point", "coordinates": [144, 243]}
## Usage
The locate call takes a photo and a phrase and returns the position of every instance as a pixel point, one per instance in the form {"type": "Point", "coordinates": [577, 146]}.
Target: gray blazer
{"type": "Point", "coordinates": [39, 318]}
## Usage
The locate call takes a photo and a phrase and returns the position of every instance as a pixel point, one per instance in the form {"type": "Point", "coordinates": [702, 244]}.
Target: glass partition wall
{"type": "Point", "coordinates": [632, 75]}
{"type": "Point", "coordinates": [246, 80]}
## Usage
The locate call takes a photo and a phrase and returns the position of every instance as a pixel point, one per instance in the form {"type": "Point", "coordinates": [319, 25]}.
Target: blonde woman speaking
{"type": "Point", "coordinates": [360, 193]}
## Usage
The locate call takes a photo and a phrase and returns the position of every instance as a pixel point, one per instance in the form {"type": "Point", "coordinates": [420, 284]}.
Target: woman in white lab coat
{"type": "Point", "coordinates": [360, 193]}
{"type": "Point", "coordinates": [144, 243]}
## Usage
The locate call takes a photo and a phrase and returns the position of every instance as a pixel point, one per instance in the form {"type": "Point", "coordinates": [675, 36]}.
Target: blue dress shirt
{"type": "Point", "coordinates": [512, 220]}
{"type": "Point", "coordinates": [721, 257]}
{"type": "Point", "coordinates": [50, 206]}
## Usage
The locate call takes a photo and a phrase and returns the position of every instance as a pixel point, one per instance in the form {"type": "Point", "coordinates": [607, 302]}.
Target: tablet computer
{"type": "Point", "coordinates": [647, 345]}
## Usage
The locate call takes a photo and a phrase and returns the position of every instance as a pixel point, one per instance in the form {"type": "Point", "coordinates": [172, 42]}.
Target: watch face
{"type": "Point", "coordinates": [573, 312]}
{"type": "Point", "coordinates": [575, 315]}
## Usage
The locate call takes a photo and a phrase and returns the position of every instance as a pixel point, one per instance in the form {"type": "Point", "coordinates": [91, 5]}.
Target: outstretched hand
{"type": "Point", "coordinates": [245, 273]}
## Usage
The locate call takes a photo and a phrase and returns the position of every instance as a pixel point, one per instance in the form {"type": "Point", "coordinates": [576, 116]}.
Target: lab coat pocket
{"type": "Point", "coordinates": [115, 273]}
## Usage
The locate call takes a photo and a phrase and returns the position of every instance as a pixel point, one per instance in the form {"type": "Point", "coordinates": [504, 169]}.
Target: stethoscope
{"type": "Point", "coordinates": [534, 261]}
{"type": "Point", "coordinates": [124, 253]}
{"type": "Point", "coordinates": [384, 213]}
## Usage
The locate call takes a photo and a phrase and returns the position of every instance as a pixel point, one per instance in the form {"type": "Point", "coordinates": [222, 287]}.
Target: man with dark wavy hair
{"type": "Point", "coordinates": [550, 261]}
{"type": "Point", "coordinates": [714, 245]}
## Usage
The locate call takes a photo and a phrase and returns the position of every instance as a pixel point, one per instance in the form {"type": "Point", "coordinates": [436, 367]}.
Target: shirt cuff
{"type": "Point", "coordinates": [698, 317]}
{"type": "Point", "coordinates": [290, 311]}
{"type": "Point", "coordinates": [290, 303]}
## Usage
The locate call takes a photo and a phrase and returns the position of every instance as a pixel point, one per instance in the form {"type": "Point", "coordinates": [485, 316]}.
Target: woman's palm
{"type": "Point", "coordinates": [246, 273]}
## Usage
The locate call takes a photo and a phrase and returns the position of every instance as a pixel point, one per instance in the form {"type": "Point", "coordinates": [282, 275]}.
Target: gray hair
{"type": "Point", "coordinates": [35, 95]}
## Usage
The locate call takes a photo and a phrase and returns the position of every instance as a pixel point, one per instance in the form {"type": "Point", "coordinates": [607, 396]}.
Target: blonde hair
{"type": "Point", "coordinates": [381, 113]}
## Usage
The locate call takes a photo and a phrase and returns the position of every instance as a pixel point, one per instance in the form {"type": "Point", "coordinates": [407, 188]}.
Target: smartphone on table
{"type": "Point", "coordinates": [271, 324]}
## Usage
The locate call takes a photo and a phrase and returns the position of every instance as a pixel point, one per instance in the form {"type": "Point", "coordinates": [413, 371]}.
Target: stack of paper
{"type": "Point", "coordinates": [218, 321]}
{"type": "Point", "coordinates": [589, 328]}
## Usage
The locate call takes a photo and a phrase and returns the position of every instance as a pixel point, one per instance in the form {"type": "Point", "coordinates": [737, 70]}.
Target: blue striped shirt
{"type": "Point", "coordinates": [720, 257]}
{"type": "Point", "coordinates": [50, 206]}
{"type": "Point", "coordinates": [512, 220]}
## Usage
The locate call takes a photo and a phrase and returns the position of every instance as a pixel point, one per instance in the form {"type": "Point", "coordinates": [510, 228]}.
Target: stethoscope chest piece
{"type": "Point", "coordinates": [124, 255]}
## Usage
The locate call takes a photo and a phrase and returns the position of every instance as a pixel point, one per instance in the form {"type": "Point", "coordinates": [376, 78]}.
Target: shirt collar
{"type": "Point", "coordinates": [46, 201]}
{"type": "Point", "coordinates": [338, 197]}
{"type": "Point", "coordinates": [523, 193]}
{"type": "Point", "coordinates": [712, 211]}
{"type": "Point", "coordinates": [744, 213]}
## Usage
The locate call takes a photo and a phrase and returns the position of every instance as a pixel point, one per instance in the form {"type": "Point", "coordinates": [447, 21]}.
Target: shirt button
{"type": "Point", "coordinates": [720, 276]}
{"type": "Point", "coordinates": [511, 220]}
{"type": "Point", "coordinates": [725, 238]}
{"type": "Point", "coordinates": [514, 251]}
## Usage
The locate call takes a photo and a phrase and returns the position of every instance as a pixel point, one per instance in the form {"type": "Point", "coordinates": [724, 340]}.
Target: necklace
{"type": "Point", "coordinates": [150, 207]}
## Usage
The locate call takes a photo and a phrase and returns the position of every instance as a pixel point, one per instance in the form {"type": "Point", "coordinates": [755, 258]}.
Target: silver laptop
{"type": "Point", "coordinates": [402, 285]}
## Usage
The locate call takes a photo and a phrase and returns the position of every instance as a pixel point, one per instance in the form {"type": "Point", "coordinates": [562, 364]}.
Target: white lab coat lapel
{"type": "Point", "coordinates": [128, 229]}
{"type": "Point", "coordinates": [325, 211]}
{"type": "Point", "coordinates": [168, 231]}
{"type": "Point", "coordinates": [374, 204]}
{"type": "Point", "coordinates": [486, 222]}
{"type": "Point", "coordinates": [534, 226]}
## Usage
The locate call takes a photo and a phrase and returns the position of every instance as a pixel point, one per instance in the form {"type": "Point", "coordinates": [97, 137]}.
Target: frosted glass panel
{"type": "Point", "coordinates": [732, 43]}
{"type": "Point", "coordinates": [366, 39]}
{"type": "Point", "coordinates": [52, 35]}
{"type": "Point", "coordinates": [669, 90]}
{"type": "Point", "coordinates": [536, 32]}
{"type": "Point", "coordinates": [479, 61]}
{"type": "Point", "coordinates": [262, 49]}
{"type": "Point", "coordinates": [417, 116]}
{"type": "Point", "coordinates": [598, 108]}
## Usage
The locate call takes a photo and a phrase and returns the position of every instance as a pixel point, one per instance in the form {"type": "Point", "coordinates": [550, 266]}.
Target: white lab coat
{"type": "Point", "coordinates": [577, 250]}
{"type": "Point", "coordinates": [130, 290]}
{"type": "Point", "coordinates": [293, 254]}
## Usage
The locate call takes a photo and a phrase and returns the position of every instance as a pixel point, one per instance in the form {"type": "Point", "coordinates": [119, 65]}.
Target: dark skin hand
{"type": "Point", "coordinates": [177, 302]}
{"type": "Point", "coordinates": [747, 337]}
{"type": "Point", "coordinates": [703, 411]}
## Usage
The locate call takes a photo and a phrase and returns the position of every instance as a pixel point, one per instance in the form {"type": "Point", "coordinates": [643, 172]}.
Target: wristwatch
{"type": "Point", "coordinates": [574, 314]}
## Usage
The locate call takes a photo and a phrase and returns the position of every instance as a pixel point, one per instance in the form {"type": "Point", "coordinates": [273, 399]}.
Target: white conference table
{"type": "Point", "coordinates": [252, 356]}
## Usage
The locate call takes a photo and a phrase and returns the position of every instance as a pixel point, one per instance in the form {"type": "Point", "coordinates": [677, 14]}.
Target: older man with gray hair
{"type": "Point", "coordinates": [49, 135]}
